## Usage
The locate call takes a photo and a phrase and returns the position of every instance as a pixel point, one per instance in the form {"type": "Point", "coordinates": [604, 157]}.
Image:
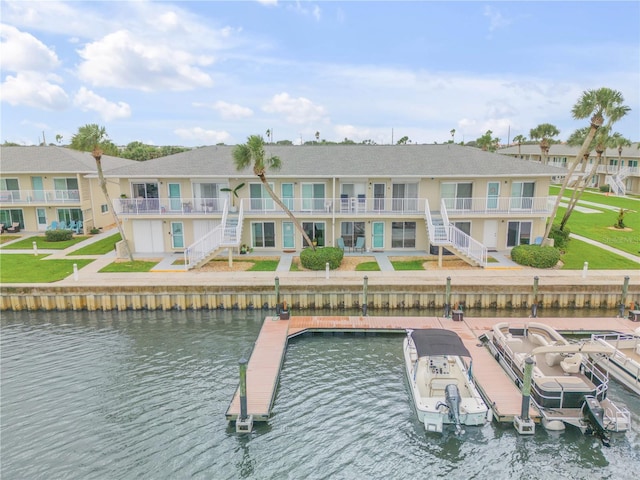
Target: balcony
{"type": "Point", "coordinates": [168, 206]}
{"type": "Point", "coordinates": [500, 206]}
{"type": "Point", "coordinates": [346, 206]}
{"type": "Point", "coordinates": [39, 197]}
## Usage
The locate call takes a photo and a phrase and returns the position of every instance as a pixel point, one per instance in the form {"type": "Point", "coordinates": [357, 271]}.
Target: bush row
{"type": "Point", "coordinates": [58, 235]}
{"type": "Point", "coordinates": [317, 260]}
{"type": "Point", "coordinates": [560, 237]}
{"type": "Point", "coordinates": [535, 256]}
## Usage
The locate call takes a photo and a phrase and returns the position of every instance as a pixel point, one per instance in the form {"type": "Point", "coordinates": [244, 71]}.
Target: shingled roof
{"type": "Point", "coordinates": [343, 161]}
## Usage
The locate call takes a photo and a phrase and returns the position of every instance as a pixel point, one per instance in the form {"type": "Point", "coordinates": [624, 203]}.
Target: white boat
{"type": "Point", "coordinates": [624, 364]}
{"type": "Point", "coordinates": [566, 387]}
{"type": "Point", "coordinates": [441, 385]}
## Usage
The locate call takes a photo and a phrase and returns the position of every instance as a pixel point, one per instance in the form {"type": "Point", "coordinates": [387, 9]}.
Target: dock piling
{"type": "Point", "coordinates": [623, 299]}
{"type": "Point", "coordinates": [534, 305]}
{"type": "Point", "coordinates": [277, 291]}
{"type": "Point", "coordinates": [447, 301]}
{"type": "Point", "coordinates": [523, 424]}
{"type": "Point", "coordinates": [365, 300]}
{"type": "Point", "coordinates": [244, 423]}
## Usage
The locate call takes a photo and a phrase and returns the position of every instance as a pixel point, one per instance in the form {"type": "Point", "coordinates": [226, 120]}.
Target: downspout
{"type": "Point", "coordinates": [333, 211]}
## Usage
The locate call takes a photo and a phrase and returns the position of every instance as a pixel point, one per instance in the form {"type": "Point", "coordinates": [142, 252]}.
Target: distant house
{"type": "Point", "coordinates": [619, 170]}
{"type": "Point", "coordinates": [42, 185]}
{"type": "Point", "coordinates": [398, 198]}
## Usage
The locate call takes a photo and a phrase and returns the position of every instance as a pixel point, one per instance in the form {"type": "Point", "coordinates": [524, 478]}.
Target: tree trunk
{"type": "Point", "coordinates": [103, 186]}
{"type": "Point", "coordinates": [295, 221]}
{"type": "Point", "coordinates": [579, 155]}
{"type": "Point", "coordinates": [578, 191]}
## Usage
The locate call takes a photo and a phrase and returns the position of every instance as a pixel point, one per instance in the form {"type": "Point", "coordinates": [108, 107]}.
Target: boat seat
{"type": "Point", "coordinates": [538, 339]}
{"type": "Point", "coordinates": [552, 359]}
{"type": "Point", "coordinates": [441, 383]}
{"type": "Point", "coordinates": [638, 349]}
{"type": "Point", "coordinates": [572, 363]}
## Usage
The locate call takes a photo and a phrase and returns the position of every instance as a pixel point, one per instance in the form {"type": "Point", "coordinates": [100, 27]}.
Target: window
{"type": "Point", "coordinates": [260, 198]}
{"type": "Point", "coordinates": [405, 197]}
{"type": "Point", "coordinates": [263, 234]}
{"type": "Point", "coordinates": [287, 195]}
{"type": "Point", "coordinates": [68, 215]}
{"type": "Point", "coordinates": [457, 196]}
{"type": "Point", "coordinates": [313, 196]}
{"type": "Point", "coordinates": [518, 233]}
{"type": "Point", "coordinates": [10, 188]}
{"type": "Point", "coordinates": [205, 196]}
{"type": "Point", "coordinates": [10, 216]}
{"type": "Point", "coordinates": [315, 231]}
{"type": "Point", "coordinates": [493, 192]}
{"type": "Point", "coordinates": [146, 195]}
{"type": "Point", "coordinates": [104, 208]}
{"type": "Point", "coordinates": [350, 231]}
{"type": "Point", "coordinates": [403, 234]}
{"type": "Point", "coordinates": [522, 195]}
{"type": "Point", "coordinates": [66, 188]}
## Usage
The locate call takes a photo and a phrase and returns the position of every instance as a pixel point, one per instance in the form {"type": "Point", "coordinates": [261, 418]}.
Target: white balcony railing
{"type": "Point", "coordinates": [358, 205]}
{"type": "Point", "coordinates": [499, 205]}
{"type": "Point", "coordinates": [174, 206]}
{"type": "Point", "coordinates": [39, 197]}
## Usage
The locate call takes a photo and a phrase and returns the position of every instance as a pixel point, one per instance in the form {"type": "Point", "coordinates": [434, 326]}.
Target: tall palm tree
{"type": "Point", "coordinates": [545, 132]}
{"type": "Point", "coordinates": [92, 138]}
{"type": "Point", "coordinates": [252, 153]}
{"type": "Point", "coordinates": [600, 104]}
{"type": "Point", "coordinates": [619, 142]}
{"type": "Point", "coordinates": [519, 139]}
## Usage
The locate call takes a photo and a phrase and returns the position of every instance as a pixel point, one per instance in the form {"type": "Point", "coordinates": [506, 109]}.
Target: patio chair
{"type": "Point", "coordinates": [78, 228]}
{"type": "Point", "coordinates": [359, 244]}
{"type": "Point", "coordinates": [344, 202]}
{"type": "Point", "coordinates": [62, 226]}
{"type": "Point", "coordinates": [1, 227]}
{"type": "Point", "coordinates": [53, 226]}
{"type": "Point", "coordinates": [72, 225]}
{"type": "Point", "coordinates": [14, 228]}
{"type": "Point", "coordinates": [341, 245]}
{"type": "Point", "coordinates": [362, 203]}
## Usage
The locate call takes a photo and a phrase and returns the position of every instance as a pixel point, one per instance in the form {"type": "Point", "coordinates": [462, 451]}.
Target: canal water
{"type": "Point", "coordinates": [142, 395]}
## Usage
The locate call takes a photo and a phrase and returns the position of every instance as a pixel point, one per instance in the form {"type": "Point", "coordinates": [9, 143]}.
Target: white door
{"type": "Point", "coordinates": [148, 236]}
{"type": "Point", "coordinates": [41, 215]}
{"type": "Point", "coordinates": [202, 227]}
{"type": "Point", "coordinates": [490, 237]}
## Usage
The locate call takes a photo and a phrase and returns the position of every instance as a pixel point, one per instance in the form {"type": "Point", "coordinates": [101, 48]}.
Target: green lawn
{"type": "Point", "coordinates": [128, 267]}
{"type": "Point", "coordinates": [579, 252]}
{"type": "Point", "coordinates": [8, 238]}
{"type": "Point", "coordinates": [23, 268]}
{"type": "Point", "coordinates": [41, 242]}
{"type": "Point", "coordinates": [100, 247]}
{"type": "Point", "coordinates": [368, 267]}
{"type": "Point", "coordinates": [264, 266]}
{"type": "Point", "coordinates": [408, 264]}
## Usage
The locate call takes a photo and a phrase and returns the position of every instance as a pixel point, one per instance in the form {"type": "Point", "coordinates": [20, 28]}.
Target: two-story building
{"type": "Point", "coordinates": [398, 198]}
{"type": "Point", "coordinates": [620, 169]}
{"type": "Point", "coordinates": [43, 185]}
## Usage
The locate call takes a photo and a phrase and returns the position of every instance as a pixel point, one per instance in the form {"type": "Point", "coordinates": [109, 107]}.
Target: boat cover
{"type": "Point", "coordinates": [437, 341]}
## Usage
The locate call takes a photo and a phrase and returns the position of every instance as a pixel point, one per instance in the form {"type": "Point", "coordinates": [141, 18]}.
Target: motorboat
{"type": "Point", "coordinates": [441, 382]}
{"type": "Point", "coordinates": [624, 364]}
{"type": "Point", "coordinates": [567, 387]}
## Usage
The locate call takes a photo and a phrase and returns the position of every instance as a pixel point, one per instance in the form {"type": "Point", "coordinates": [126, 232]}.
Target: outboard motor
{"type": "Point", "coordinates": [452, 397]}
{"type": "Point", "coordinates": [594, 415]}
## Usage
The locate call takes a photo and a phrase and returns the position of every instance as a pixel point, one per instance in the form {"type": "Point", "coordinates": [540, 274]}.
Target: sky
{"type": "Point", "coordinates": [208, 72]}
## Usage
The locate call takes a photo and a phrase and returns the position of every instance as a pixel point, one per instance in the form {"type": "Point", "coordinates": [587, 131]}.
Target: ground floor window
{"type": "Point", "coordinates": [315, 231]}
{"type": "Point", "coordinates": [264, 234]}
{"type": "Point", "coordinates": [403, 234]}
{"type": "Point", "coordinates": [518, 233]}
{"type": "Point", "coordinates": [69, 215]}
{"type": "Point", "coordinates": [350, 231]}
{"type": "Point", "coordinates": [11, 216]}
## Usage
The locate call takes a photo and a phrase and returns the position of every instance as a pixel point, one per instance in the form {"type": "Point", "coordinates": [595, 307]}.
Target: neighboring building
{"type": "Point", "coordinates": [619, 170]}
{"type": "Point", "coordinates": [42, 185]}
{"type": "Point", "coordinates": [396, 198]}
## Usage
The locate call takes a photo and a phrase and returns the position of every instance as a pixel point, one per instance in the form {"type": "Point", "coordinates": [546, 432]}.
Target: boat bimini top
{"type": "Point", "coordinates": [437, 341]}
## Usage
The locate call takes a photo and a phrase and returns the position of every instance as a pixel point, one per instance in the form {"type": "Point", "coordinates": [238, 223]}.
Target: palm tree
{"type": "Point", "coordinates": [597, 104]}
{"type": "Point", "coordinates": [519, 139]}
{"type": "Point", "coordinates": [545, 132]}
{"type": "Point", "coordinates": [252, 153]}
{"type": "Point", "coordinates": [453, 135]}
{"type": "Point", "coordinates": [487, 142]}
{"type": "Point", "coordinates": [619, 142]}
{"type": "Point", "coordinates": [92, 138]}
{"type": "Point", "coordinates": [317, 136]}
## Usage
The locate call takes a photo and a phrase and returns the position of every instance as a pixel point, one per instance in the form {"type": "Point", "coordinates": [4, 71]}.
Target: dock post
{"type": "Point", "coordinates": [523, 424]}
{"type": "Point", "coordinates": [278, 295]}
{"type": "Point", "coordinates": [244, 423]}
{"type": "Point", "coordinates": [365, 300]}
{"type": "Point", "coordinates": [623, 300]}
{"type": "Point", "coordinates": [534, 305]}
{"type": "Point", "coordinates": [447, 301]}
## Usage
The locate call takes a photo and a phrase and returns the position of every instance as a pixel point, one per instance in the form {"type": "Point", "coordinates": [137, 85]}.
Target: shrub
{"type": "Point", "coordinates": [58, 235]}
{"type": "Point", "coordinates": [94, 231]}
{"type": "Point", "coordinates": [560, 237]}
{"type": "Point", "coordinates": [317, 260]}
{"type": "Point", "coordinates": [535, 256]}
{"type": "Point", "coordinates": [605, 188]}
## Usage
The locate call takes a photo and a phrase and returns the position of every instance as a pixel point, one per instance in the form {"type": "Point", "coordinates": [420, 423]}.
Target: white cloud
{"type": "Point", "coordinates": [296, 110]}
{"type": "Point", "coordinates": [228, 111]}
{"type": "Point", "coordinates": [496, 20]}
{"type": "Point", "coordinates": [22, 51]}
{"type": "Point", "coordinates": [210, 137]}
{"type": "Point", "coordinates": [34, 90]}
{"type": "Point", "coordinates": [123, 60]}
{"type": "Point", "coordinates": [88, 100]}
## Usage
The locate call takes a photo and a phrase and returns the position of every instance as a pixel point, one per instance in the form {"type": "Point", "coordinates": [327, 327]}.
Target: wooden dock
{"type": "Point", "coordinates": [502, 395]}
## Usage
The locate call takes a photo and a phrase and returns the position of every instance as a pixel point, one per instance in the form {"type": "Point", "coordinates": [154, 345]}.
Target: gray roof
{"type": "Point", "coordinates": [52, 159]}
{"type": "Point", "coordinates": [351, 161]}
{"type": "Point", "coordinates": [564, 150]}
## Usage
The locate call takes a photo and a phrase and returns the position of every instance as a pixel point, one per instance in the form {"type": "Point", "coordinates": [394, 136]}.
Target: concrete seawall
{"type": "Point", "coordinates": [302, 295]}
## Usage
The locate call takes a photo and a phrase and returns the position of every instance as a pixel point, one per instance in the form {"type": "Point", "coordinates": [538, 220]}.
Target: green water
{"type": "Point", "coordinates": [142, 395]}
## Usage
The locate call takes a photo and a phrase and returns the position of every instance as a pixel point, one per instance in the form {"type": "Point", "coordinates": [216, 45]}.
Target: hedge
{"type": "Point", "coordinates": [58, 235]}
{"type": "Point", "coordinates": [560, 237]}
{"type": "Point", "coordinates": [535, 256]}
{"type": "Point", "coordinates": [317, 260]}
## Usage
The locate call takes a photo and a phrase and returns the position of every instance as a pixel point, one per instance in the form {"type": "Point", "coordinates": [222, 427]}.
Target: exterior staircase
{"type": "Point", "coordinates": [443, 234]}
{"type": "Point", "coordinates": [616, 182]}
{"type": "Point", "coordinates": [226, 235]}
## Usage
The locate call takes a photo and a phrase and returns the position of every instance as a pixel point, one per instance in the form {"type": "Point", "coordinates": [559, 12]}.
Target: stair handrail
{"type": "Point", "coordinates": [206, 244]}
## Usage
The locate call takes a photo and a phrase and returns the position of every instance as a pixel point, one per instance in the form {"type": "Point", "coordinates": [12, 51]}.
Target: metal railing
{"type": "Point", "coordinates": [499, 205]}
{"type": "Point", "coordinates": [174, 206]}
{"type": "Point", "coordinates": [39, 197]}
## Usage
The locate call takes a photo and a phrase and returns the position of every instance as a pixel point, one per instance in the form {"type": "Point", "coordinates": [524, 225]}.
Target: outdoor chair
{"type": "Point", "coordinates": [78, 228]}
{"type": "Point", "coordinates": [344, 202]}
{"type": "Point", "coordinates": [72, 225]}
{"type": "Point", "coordinates": [362, 203]}
{"type": "Point", "coordinates": [1, 227]}
{"type": "Point", "coordinates": [359, 244]}
{"type": "Point", "coordinates": [14, 228]}
{"type": "Point", "coordinates": [341, 245]}
{"type": "Point", "coordinates": [53, 226]}
{"type": "Point", "coordinates": [62, 226]}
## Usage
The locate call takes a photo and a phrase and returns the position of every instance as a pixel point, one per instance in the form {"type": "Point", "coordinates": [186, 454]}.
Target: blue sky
{"type": "Point", "coordinates": [200, 73]}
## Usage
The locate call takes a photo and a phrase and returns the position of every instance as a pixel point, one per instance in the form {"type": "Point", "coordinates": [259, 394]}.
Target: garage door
{"type": "Point", "coordinates": [147, 236]}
